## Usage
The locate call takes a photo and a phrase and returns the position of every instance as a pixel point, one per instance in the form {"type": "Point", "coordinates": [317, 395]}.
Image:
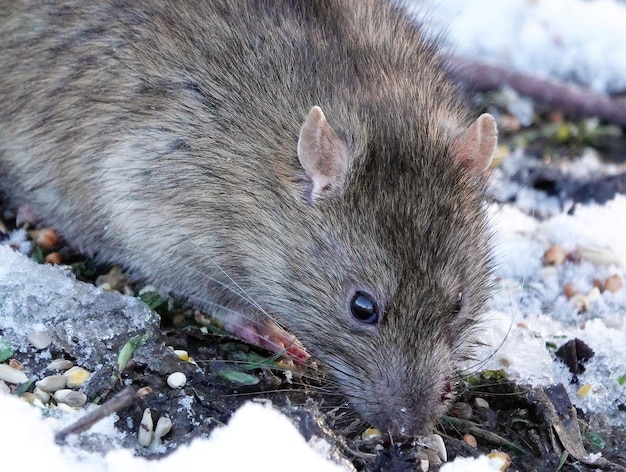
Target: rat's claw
{"type": "Point", "coordinates": [273, 338]}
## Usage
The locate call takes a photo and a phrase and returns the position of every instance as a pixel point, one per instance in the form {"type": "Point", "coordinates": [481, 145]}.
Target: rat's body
{"type": "Point", "coordinates": [168, 136]}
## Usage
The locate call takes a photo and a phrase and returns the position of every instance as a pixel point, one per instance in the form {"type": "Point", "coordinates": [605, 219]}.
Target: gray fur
{"type": "Point", "coordinates": [162, 134]}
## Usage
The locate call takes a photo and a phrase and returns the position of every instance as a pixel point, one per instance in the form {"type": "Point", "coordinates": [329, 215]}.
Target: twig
{"type": "Point", "coordinates": [568, 98]}
{"type": "Point", "coordinates": [123, 399]}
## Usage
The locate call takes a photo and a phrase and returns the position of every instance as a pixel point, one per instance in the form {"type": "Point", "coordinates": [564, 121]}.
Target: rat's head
{"type": "Point", "coordinates": [391, 281]}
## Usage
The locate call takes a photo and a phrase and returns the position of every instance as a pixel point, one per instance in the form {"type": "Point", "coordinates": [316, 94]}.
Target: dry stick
{"type": "Point", "coordinates": [570, 99]}
{"type": "Point", "coordinates": [123, 399]}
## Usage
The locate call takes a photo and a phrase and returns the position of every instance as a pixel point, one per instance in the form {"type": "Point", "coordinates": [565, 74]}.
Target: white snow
{"type": "Point", "coordinates": [257, 437]}
{"type": "Point", "coordinates": [564, 38]}
{"type": "Point", "coordinates": [583, 41]}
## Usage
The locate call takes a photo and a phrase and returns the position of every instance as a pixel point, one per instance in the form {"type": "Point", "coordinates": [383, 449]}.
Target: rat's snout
{"type": "Point", "coordinates": [408, 410]}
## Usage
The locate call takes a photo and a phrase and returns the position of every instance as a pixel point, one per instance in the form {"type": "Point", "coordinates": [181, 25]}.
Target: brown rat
{"type": "Point", "coordinates": [302, 162]}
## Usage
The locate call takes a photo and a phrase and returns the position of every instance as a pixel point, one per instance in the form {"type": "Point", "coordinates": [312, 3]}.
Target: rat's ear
{"type": "Point", "coordinates": [474, 147]}
{"type": "Point", "coordinates": [324, 155]}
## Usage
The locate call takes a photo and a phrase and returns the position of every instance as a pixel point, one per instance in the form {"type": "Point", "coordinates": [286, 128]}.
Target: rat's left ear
{"type": "Point", "coordinates": [474, 147]}
{"type": "Point", "coordinates": [324, 155]}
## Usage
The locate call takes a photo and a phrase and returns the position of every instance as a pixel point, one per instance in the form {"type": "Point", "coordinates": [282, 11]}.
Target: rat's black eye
{"type": "Point", "coordinates": [458, 304]}
{"type": "Point", "coordinates": [363, 308]}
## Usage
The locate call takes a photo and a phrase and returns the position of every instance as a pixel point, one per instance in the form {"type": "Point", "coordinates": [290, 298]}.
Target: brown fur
{"type": "Point", "coordinates": [162, 134]}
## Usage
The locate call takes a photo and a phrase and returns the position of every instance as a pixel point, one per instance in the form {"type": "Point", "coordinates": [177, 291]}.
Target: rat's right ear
{"type": "Point", "coordinates": [474, 147]}
{"type": "Point", "coordinates": [324, 155]}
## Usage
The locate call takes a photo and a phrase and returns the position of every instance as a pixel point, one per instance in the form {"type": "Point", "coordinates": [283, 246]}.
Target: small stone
{"type": "Point", "coordinates": [70, 397]}
{"type": "Point", "coordinates": [471, 440]}
{"type": "Point", "coordinates": [76, 376]}
{"type": "Point", "coordinates": [555, 255]}
{"type": "Point", "coordinates": [177, 380]}
{"type": "Point", "coordinates": [52, 383]}
{"type": "Point", "coordinates": [40, 339]}
{"type": "Point", "coordinates": [12, 375]}
{"type": "Point", "coordinates": [613, 283]}
{"type": "Point", "coordinates": [146, 429]}
{"type": "Point", "coordinates": [60, 364]}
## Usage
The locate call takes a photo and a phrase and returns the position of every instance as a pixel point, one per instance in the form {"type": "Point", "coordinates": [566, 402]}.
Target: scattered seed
{"type": "Point", "coordinates": [182, 355]}
{"type": "Point", "coordinates": [12, 375]}
{"type": "Point", "coordinates": [481, 403]}
{"type": "Point", "coordinates": [54, 258]}
{"type": "Point", "coordinates": [40, 339]}
{"type": "Point", "coordinates": [177, 380]}
{"type": "Point", "coordinates": [29, 397]}
{"type": "Point", "coordinates": [581, 302]}
{"type": "Point", "coordinates": [555, 255]}
{"type": "Point", "coordinates": [593, 294]}
{"type": "Point", "coordinates": [52, 383]}
{"type": "Point", "coordinates": [499, 460]}
{"type": "Point", "coordinates": [60, 364]}
{"type": "Point", "coordinates": [471, 440]}
{"type": "Point", "coordinates": [76, 376]}
{"type": "Point", "coordinates": [521, 325]}
{"type": "Point", "coordinates": [433, 458]}
{"type": "Point", "coordinates": [113, 280]}
{"type": "Point", "coordinates": [574, 257]}
{"type": "Point", "coordinates": [370, 433]}
{"type": "Point", "coordinates": [43, 396]}
{"type": "Point", "coordinates": [45, 237]}
{"type": "Point", "coordinates": [613, 283]}
{"type": "Point", "coordinates": [163, 426]}
{"type": "Point", "coordinates": [570, 290]}
{"type": "Point", "coordinates": [598, 283]}
{"type": "Point", "coordinates": [598, 255]}
{"type": "Point", "coordinates": [146, 429]}
{"type": "Point", "coordinates": [584, 390]}
{"type": "Point", "coordinates": [16, 364]}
